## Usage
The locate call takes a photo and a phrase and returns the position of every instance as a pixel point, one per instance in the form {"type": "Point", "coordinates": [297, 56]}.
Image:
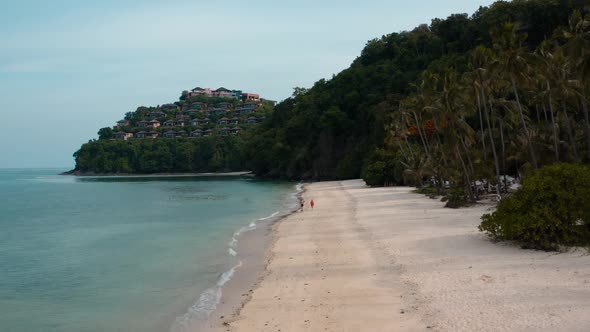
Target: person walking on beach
{"type": "Point", "coordinates": [312, 204]}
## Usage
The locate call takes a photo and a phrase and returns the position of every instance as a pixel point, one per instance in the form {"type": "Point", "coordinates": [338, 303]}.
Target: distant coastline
{"type": "Point", "coordinates": [135, 175]}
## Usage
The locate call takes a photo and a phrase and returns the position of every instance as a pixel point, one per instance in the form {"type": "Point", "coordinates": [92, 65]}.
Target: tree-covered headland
{"type": "Point", "coordinates": [194, 134]}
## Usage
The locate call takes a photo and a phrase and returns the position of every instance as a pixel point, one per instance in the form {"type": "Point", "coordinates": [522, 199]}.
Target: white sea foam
{"type": "Point", "coordinates": [250, 227]}
{"type": "Point", "coordinates": [233, 241]}
{"type": "Point", "coordinates": [205, 305]}
{"type": "Point", "coordinates": [271, 216]}
{"type": "Point", "coordinates": [294, 196]}
{"type": "Point", "coordinates": [210, 298]}
{"type": "Point", "coordinates": [299, 187]}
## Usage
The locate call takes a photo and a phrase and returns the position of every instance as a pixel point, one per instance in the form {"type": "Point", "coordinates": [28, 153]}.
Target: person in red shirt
{"type": "Point", "coordinates": [312, 203]}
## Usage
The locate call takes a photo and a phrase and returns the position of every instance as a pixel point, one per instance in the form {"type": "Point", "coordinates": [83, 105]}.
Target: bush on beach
{"type": "Point", "coordinates": [457, 198]}
{"type": "Point", "coordinates": [551, 209]}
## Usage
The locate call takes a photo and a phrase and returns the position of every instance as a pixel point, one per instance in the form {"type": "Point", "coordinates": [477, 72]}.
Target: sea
{"type": "Point", "coordinates": [123, 253]}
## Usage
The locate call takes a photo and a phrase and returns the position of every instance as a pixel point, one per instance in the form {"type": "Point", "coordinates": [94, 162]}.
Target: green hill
{"type": "Point", "coordinates": [341, 126]}
{"type": "Point", "coordinates": [195, 134]}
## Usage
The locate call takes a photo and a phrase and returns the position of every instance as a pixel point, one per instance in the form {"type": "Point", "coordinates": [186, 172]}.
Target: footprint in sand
{"type": "Point", "coordinates": [486, 278]}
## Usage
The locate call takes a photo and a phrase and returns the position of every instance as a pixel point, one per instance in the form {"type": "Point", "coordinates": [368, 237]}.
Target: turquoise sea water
{"type": "Point", "coordinates": [125, 254]}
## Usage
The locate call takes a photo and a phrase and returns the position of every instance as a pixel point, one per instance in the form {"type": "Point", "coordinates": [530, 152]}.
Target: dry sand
{"type": "Point", "coordinates": [389, 260]}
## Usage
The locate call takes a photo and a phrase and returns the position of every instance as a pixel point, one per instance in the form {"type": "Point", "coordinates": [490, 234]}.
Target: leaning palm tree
{"type": "Point", "coordinates": [507, 120]}
{"type": "Point", "coordinates": [577, 49]}
{"type": "Point", "coordinates": [577, 40]}
{"type": "Point", "coordinates": [409, 109]}
{"type": "Point", "coordinates": [546, 75]}
{"type": "Point", "coordinates": [513, 64]}
{"type": "Point", "coordinates": [397, 134]}
{"type": "Point", "coordinates": [417, 169]}
{"type": "Point", "coordinates": [566, 89]}
{"type": "Point", "coordinates": [481, 61]}
{"type": "Point", "coordinates": [472, 79]}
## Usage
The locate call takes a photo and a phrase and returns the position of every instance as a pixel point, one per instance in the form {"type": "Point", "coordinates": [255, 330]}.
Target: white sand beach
{"type": "Point", "coordinates": [386, 259]}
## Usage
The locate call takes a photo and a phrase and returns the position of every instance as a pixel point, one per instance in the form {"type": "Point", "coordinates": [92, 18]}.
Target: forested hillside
{"type": "Point", "coordinates": [198, 133]}
{"type": "Point", "coordinates": [354, 123]}
{"type": "Point", "coordinates": [463, 99]}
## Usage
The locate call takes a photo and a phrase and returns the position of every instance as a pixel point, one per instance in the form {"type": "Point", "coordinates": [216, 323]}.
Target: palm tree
{"type": "Point", "coordinates": [512, 63]}
{"type": "Point", "coordinates": [561, 72]}
{"type": "Point", "coordinates": [408, 109]}
{"type": "Point", "coordinates": [481, 59]}
{"type": "Point", "coordinates": [397, 132]}
{"type": "Point", "coordinates": [577, 48]}
{"type": "Point", "coordinates": [417, 169]}
{"type": "Point", "coordinates": [507, 122]}
{"type": "Point", "coordinates": [546, 65]}
{"type": "Point", "coordinates": [472, 78]}
{"type": "Point", "coordinates": [450, 116]}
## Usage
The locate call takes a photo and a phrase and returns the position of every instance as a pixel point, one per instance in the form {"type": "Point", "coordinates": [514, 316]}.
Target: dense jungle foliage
{"type": "Point", "coordinates": [461, 99]}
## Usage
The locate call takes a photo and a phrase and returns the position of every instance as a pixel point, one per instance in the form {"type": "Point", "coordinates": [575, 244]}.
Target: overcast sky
{"type": "Point", "coordinates": [70, 67]}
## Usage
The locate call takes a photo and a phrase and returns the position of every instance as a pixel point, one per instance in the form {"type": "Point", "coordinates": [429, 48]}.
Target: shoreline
{"type": "Point", "coordinates": [253, 251]}
{"type": "Point", "coordinates": [385, 259]}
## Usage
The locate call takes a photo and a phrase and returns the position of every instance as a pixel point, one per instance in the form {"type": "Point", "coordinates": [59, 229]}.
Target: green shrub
{"type": "Point", "coordinates": [457, 198]}
{"type": "Point", "coordinates": [427, 190]}
{"type": "Point", "coordinates": [374, 174]}
{"type": "Point", "coordinates": [552, 208]}
{"type": "Point", "coordinates": [380, 168]}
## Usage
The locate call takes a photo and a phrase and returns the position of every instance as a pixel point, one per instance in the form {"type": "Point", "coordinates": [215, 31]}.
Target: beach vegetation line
{"type": "Point", "coordinates": [550, 210]}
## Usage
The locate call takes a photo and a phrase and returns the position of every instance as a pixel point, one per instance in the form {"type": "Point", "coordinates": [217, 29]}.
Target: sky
{"type": "Point", "coordinates": [71, 67]}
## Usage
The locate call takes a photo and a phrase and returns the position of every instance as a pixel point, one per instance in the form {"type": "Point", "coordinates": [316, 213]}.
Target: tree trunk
{"type": "Point", "coordinates": [487, 116]}
{"type": "Point", "coordinates": [553, 125]}
{"type": "Point", "coordinates": [467, 155]}
{"type": "Point", "coordinates": [439, 141]}
{"type": "Point", "coordinates": [439, 178]}
{"type": "Point", "coordinates": [570, 132]}
{"type": "Point", "coordinates": [545, 112]}
{"type": "Point", "coordinates": [522, 120]}
{"type": "Point", "coordinates": [466, 173]}
{"type": "Point", "coordinates": [555, 146]}
{"type": "Point", "coordinates": [483, 135]}
{"type": "Point", "coordinates": [587, 123]}
{"type": "Point", "coordinates": [401, 149]}
{"type": "Point", "coordinates": [503, 154]}
{"type": "Point", "coordinates": [476, 195]}
{"type": "Point", "coordinates": [420, 133]}
{"type": "Point", "coordinates": [409, 147]}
